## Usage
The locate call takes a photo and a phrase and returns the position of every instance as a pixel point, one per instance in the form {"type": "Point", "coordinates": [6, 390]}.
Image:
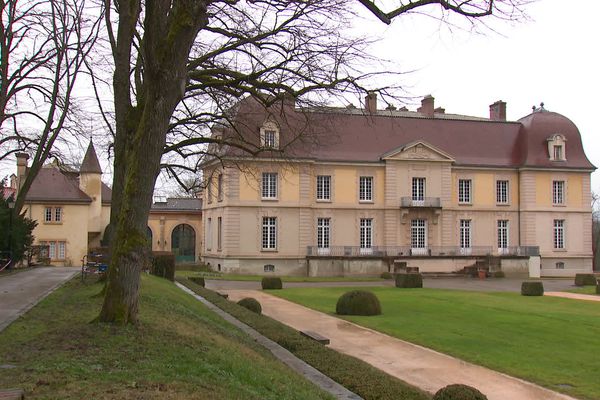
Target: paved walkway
{"type": "Point", "coordinates": [22, 290]}
{"type": "Point", "coordinates": [414, 364]}
{"type": "Point", "coordinates": [575, 296]}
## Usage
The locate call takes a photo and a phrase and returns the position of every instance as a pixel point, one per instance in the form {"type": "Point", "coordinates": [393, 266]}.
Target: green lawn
{"type": "Point", "coordinates": [584, 290]}
{"type": "Point", "coordinates": [179, 350]}
{"type": "Point", "coordinates": [237, 277]}
{"type": "Point", "coordinates": [550, 341]}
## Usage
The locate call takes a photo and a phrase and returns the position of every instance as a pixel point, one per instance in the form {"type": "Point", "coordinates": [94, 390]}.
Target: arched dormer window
{"type": "Point", "coordinates": [269, 135]}
{"type": "Point", "coordinates": [557, 148]}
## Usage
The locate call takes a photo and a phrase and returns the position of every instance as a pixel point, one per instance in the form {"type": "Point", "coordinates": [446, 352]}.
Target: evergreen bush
{"type": "Point", "coordinates": [498, 274]}
{"type": "Point", "coordinates": [163, 265]}
{"type": "Point", "coordinates": [411, 280]}
{"type": "Point", "coordinates": [585, 280]}
{"type": "Point", "coordinates": [271, 282]}
{"type": "Point", "coordinates": [358, 302]}
{"type": "Point", "coordinates": [459, 392]}
{"type": "Point", "coordinates": [387, 275]}
{"type": "Point", "coordinates": [251, 304]}
{"type": "Point", "coordinates": [532, 288]}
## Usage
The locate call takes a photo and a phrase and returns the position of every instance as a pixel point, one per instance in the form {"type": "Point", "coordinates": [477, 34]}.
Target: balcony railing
{"type": "Point", "coordinates": [425, 202]}
{"type": "Point", "coordinates": [407, 251]}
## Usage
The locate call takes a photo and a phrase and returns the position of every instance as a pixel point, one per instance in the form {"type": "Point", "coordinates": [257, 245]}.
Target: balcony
{"type": "Point", "coordinates": [425, 202]}
{"type": "Point", "coordinates": [432, 251]}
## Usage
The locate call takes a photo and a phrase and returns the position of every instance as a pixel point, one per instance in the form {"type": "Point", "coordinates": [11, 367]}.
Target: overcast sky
{"type": "Point", "coordinates": [549, 59]}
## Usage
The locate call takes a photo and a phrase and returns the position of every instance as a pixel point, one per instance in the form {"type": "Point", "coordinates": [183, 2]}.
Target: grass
{"type": "Point", "coordinates": [363, 379]}
{"type": "Point", "coordinates": [550, 341]}
{"type": "Point", "coordinates": [584, 290]}
{"type": "Point", "coordinates": [179, 350]}
{"type": "Point", "coordinates": [253, 278]}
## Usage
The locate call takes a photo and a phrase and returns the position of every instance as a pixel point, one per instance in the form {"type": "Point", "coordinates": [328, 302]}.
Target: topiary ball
{"type": "Point", "coordinates": [534, 288]}
{"type": "Point", "coordinates": [387, 275]}
{"type": "Point", "coordinates": [270, 282]}
{"type": "Point", "coordinates": [198, 280]}
{"type": "Point", "coordinates": [251, 304]}
{"type": "Point", "coordinates": [358, 302]}
{"type": "Point", "coordinates": [585, 280]}
{"type": "Point", "coordinates": [411, 280]}
{"type": "Point", "coordinates": [459, 392]}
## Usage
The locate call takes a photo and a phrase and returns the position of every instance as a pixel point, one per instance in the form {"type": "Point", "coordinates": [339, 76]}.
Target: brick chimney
{"type": "Point", "coordinates": [21, 169]}
{"type": "Point", "coordinates": [498, 111]}
{"type": "Point", "coordinates": [427, 107]}
{"type": "Point", "coordinates": [371, 102]}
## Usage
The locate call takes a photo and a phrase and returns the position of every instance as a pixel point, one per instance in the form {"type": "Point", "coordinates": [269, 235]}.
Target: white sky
{"type": "Point", "coordinates": [548, 59]}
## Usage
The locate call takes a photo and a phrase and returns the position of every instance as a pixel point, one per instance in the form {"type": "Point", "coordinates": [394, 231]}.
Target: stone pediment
{"type": "Point", "coordinates": [418, 151]}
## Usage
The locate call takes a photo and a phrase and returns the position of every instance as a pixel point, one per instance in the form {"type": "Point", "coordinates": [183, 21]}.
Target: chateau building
{"type": "Point", "coordinates": [338, 191]}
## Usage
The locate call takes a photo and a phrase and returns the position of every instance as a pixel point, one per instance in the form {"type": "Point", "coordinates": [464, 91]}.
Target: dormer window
{"type": "Point", "coordinates": [556, 148]}
{"type": "Point", "coordinates": [269, 135]}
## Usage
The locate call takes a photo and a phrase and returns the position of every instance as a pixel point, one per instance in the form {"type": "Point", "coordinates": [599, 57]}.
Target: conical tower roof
{"type": "Point", "coordinates": [90, 162]}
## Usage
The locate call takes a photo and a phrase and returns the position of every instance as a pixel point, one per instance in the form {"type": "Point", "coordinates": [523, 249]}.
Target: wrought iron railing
{"type": "Point", "coordinates": [408, 251]}
{"type": "Point", "coordinates": [425, 202]}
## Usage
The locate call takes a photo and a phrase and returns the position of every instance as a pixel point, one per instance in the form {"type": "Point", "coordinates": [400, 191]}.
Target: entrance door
{"type": "Point", "coordinates": [183, 243]}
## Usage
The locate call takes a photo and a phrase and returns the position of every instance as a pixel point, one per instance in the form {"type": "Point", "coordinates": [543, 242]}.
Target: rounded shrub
{"type": "Point", "coordinates": [358, 302]}
{"type": "Point", "coordinates": [498, 274]}
{"type": "Point", "coordinates": [532, 288]}
{"type": "Point", "coordinates": [386, 275]}
{"type": "Point", "coordinates": [459, 392]}
{"type": "Point", "coordinates": [271, 282]}
{"type": "Point", "coordinates": [251, 304]}
{"type": "Point", "coordinates": [585, 280]}
{"type": "Point", "coordinates": [198, 280]}
{"type": "Point", "coordinates": [411, 280]}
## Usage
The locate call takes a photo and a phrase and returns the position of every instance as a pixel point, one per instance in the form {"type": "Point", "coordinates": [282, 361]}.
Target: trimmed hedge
{"type": "Point", "coordinates": [498, 274]}
{"type": "Point", "coordinates": [198, 280]}
{"type": "Point", "coordinates": [459, 392]}
{"type": "Point", "coordinates": [532, 288]}
{"type": "Point", "coordinates": [585, 280]}
{"type": "Point", "coordinates": [251, 304]}
{"type": "Point", "coordinates": [411, 280]}
{"type": "Point", "coordinates": [363, 379]}
{"type": "Point", "coordinates": [163, 265]}
{"type": "Point", "coordinates": [358, 302]}
{"type": "Point", "coordinates": [387, 275]}
{"type": "Point", "coordinates": [271, 282]}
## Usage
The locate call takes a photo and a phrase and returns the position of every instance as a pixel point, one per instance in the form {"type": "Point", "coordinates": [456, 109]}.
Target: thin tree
{"type": "Point", "coordinates": [180, 65]}
{"type": "Point", "coordinates": [43, 45]}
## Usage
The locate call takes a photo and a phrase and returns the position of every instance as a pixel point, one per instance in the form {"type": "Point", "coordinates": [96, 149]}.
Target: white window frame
{"type": "Point", "coordinates": [48, 214]}
{"type": "Point", "coordinates": [558, 192]}
{"type": "Point", "coordinates": [464, 235]}
{"type": "Point", "coordinates": [365, 189]}
{"type": "Point", "coordinates": [57, 249]}
{"type": "Point", "coordinates": [503, 235]}
{"type": "Point", "coordinates": [323, 235]}
{"type": "Point", "coordinates": [323, 187]}
{"type": "Point", "coordinates": [269, 185]}
{"type": "Point", "coordinates": [418, 236]}
{"type": "Point", "coordinates": [559, 234]}
{"type": "Point", "coordinates": [502, 191]}
{"type": "Point", "coordinates": [464, 191]}
{"type": "Point", "coordinates": [557, 150]}
{"type": "Point", "coordinates": [270, 138]}
{"type": "Point", "coordinates": [269, 234]}
{"type": "Point", "coordinates": [366, 236]}
{"type": "Point", "coordinates": [418, 190]}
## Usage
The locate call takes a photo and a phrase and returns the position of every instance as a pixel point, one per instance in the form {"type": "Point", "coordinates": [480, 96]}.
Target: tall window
{"type": "Point", "coordinates": [502, 235]}
{"type": "Point", "coordinates": [465, 236]}
{"type": "Point", "coordinates": [464, 191]}
{"type": "Point", "coordinates": [558, 192]}
{"type": "Point", "coordinates": [209, 189]}
{"type": "Point", "coordinates": [220, 187]}
{"type": "Point", "coordinates": [418, 236]}
{"type": "Point", "coordinates": [269, 185]}
{"type": "Point", "coordinates": [558, 152]}
{"type": "Point", "coordinates": [323, 225]}
{"type": "Point", "coordinates": [269, 233]}
{"type": "Point", "coordinates": [53, 214]}
{"type": "Point", "coordinates": [366, 234]}
{"type": "Point", "coordinates": [57, 250]}
{"type": "Point", "coordinates": [323, 187]}
{"type": "Point", "coordinates": [502, 192]}
{"type": "Point", "coordinates": [48, 214]}
{"type": "Point", "coordinates": [209, 234]}
{"type": "Point", "coordinates": [559, 233]}
{"type": "Point", "coordinates": [418, 189]}
{"type": "Point", "coordinates": [270, 138]}
{"type": "Point", "coordinates": [219, 233]}
{"type": "Point", "coordinates": [365, 191]}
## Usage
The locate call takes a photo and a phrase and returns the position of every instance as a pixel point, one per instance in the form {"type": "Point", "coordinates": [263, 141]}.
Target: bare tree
{"type": "Point", "coordinates": [596, 230]}
{"type": "Point", "coordinates": [180, 66]}
{"type": "Point", "coordinates": [43, 46]}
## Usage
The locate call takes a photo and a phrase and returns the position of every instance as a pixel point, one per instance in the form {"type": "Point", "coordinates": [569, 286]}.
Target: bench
{"type": "Point", "coordinates": [12, 394]}
{"type": "Point", "coordinates": [315, 336]}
